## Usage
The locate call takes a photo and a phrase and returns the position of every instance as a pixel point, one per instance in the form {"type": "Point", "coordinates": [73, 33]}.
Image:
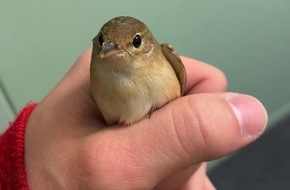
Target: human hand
{"type": "Point", "coordinates": [68, 146]}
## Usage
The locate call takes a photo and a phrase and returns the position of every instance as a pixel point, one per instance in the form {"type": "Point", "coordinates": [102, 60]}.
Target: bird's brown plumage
{"type": "Point", "coordinates": [131, 73]}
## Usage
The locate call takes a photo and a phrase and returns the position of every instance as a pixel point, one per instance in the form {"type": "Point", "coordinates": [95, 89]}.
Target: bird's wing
{"type": "Point", "coordinates": [176, 63]}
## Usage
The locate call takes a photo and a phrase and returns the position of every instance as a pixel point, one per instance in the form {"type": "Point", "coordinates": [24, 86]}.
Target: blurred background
{"type": "Point", "coordinates": [248, 40]}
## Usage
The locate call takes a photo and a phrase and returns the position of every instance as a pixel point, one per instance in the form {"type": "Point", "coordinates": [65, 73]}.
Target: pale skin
{"type": "Point", "coordinates": [68, 146]}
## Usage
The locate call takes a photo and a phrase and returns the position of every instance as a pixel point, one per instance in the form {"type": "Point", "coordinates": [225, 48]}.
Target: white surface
{"type": "Point", "coordinates": [6, 113]}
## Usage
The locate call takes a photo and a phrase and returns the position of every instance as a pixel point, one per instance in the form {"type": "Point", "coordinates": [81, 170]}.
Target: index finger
{"type": "Point", "coordinates": [202, 77]}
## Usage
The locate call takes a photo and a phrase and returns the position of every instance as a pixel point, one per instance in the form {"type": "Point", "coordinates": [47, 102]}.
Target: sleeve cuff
{"type": "Point", "coordinates": [12, 165]}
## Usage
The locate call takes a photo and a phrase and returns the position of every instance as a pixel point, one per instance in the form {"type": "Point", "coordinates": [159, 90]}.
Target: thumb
{"type": "Point", "coordinates": [203, 127]}
{"type": "Point", "coordinates": [180, 135]}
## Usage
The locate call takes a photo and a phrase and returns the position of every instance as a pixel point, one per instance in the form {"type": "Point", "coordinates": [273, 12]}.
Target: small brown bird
{"type": "Point", "coordinates": [131, 73]}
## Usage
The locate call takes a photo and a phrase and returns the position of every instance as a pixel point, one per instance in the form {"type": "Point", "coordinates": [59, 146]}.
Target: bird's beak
{"type": "Point", "coordinates": [106, 49]}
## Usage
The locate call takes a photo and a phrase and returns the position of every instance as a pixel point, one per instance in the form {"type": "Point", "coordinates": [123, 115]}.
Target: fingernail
{"type": "Point", "coordinates": [250, 113]}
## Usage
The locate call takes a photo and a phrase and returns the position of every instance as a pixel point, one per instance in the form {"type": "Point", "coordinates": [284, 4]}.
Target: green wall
{"type": "Point", "coordinates": [249, 40]}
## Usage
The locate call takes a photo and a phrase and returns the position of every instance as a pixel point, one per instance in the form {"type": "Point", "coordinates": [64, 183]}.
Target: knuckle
{"type": "Point", "coordinates": [200, 126]}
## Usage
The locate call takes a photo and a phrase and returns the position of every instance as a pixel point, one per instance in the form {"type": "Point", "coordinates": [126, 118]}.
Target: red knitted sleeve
{"type": "Point", "coordinates": [12, 167]}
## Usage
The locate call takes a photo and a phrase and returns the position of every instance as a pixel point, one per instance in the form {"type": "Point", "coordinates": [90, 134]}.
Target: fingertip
{"type": "Point", "coordinates": [250, 112]}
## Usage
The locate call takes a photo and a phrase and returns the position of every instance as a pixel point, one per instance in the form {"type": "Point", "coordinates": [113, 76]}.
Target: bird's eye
{"type": "Point", "coordinates": [101, 40]}
{"type": "Point", "coordinates": [137, 41]}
